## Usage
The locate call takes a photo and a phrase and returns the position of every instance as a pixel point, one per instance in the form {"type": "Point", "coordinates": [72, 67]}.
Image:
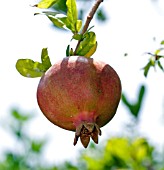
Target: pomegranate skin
{"type": "Point", "coordinates": [79, 94]}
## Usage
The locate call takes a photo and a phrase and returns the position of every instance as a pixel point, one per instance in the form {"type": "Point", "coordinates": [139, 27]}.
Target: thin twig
{"type": "Point", "coordinates": [88, 20]}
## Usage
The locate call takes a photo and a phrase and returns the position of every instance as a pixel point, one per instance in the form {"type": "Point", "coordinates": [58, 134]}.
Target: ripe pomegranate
{"type": "Point", "coordinates": [81, 95]}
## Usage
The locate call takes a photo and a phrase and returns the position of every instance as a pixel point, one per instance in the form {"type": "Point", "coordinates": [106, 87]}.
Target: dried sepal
{"type": "Point", "coordinates": [85, 131]}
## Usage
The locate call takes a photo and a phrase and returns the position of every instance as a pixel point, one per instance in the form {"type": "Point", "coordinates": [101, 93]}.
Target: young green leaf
{"type": "Point", "coordinates": [71, 53]}
{"type": "Point", "coordinates": [69, 21]}
{"type": "Point", "coordinates": [57, 22]}
{"type": "Point", "coordinates": [77, 36]}
{"type": "Point", "coordinates": [56, 18]}
{"type": "Point", "coordinates": [72, 15]}
{"type": "Point", "coordinates": [78, 25]}
{"type": "Point", "coordinates": [45, 59]}
{"type": "Point", "coordinates": [88, 45]}
{"type": "Point", "coordinates": [91, 51]}
{"type": "Point", "coordinates": [29, 68]}
{"type": "Point", "coordinates": [67, 51]}
{"type": "Point", "coordinates": [46, 3]}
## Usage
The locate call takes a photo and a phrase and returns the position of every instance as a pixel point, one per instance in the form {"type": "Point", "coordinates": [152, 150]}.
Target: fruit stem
{"type": "Point", "coordinates": [88, 20]}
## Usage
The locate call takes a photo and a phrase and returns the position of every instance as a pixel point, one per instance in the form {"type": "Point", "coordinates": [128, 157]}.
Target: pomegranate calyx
{"type": "Point", "coordinates": [85, 131]}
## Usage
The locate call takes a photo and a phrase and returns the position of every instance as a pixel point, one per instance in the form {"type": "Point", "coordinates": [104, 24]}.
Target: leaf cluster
{"type": "Point", "coordinates": [122, 153]}
{"type": "Point", "coordinates": [71, 22]}
{"type": "Point", "coordinates": [87, 43]}
{"type": "Point", "coordinates": [32, 69]}
{"type": "Point", "coordinates": [154, 60]}
{"type": "Point", "coordinates": [27, 153]}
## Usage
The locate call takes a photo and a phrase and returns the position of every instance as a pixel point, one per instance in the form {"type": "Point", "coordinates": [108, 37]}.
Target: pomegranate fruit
{"type": "Point", "coordinates": [79, 94]}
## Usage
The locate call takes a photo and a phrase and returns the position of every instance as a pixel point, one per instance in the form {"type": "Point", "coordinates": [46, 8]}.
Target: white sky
{"type": "Point", "coordinates": [131, 28]}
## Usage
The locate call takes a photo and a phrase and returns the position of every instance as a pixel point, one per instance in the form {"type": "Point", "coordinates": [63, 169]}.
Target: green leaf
{"type": "Point", "coordinates": [78, 25]}
{"type": "Point", "coordinates": [92, 50]}
{"type": "Point", "coordinates": [146, 68]}
{"type": "Point", "coordinates": [57, 22]}
{"type": "Point", "coordinates": [100, 15]}
{"type": "Point", "coordinates": [60, 6]}
{"type": "Point", "coordinates": [48, 13]}
{"type": "Point", "coordinates": [152, 61]}
{"type": "Point", "coordinates": [87, 45]}
{"type": "Point", "coordinates": [158, 51]}
{"type": "Point", "coordinates": [45, 59]}
{"type": "Point", "coordinates": [72, 15]}
{"type": "Point", "coordinates": [77, 36]}
{"type": "Point", "coordinates": [162, 42]}
{"type": "Point", "coordinates": [71, 53]}
{"type": "Point", "coordinates": [29, 68]}
{"type": "Point", "coordinates": [125, 100]}
{"type": "Point", "coordinates": [20, 117]}
{"type": "Point", "coordinates": [46, 3]}
{"type": "Point", "coordinates": [70, 21]}
{"type": "Point", "coordinates": [67, 51]}
{"type": "Point", "coordinates": [56, 18]}
{"type": "Point", "coordinates": [37, 146]}
{"type": "Point", "coordinates": [160, 65]}
{"type": "Point", "coordinates": [136, 106]}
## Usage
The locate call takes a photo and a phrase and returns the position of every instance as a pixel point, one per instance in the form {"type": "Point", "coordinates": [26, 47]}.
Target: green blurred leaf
{"type": "Point", "coordinates": [153, 61]}
{"type": "Point", "coordinates": [37, 146]}
{"type": "Point", "coordinates": [160, 65]}
{"type": "Point", "coordinates": [162, 42]}
{"type": "Point", "coordinates": [29, 68]}
{"type": "Point", "coordinates": [141, 150]}
{"type": "Point", "coordinates": [45, 59]}
{"type": "Point", "coordinates": [121, 153]}
{"type": "Point", "coordinates": [100, 15]}
{"type": "Point", "coordinates": [158, 51]}
{"type": "Point", "coordinates": [88, 45]}
{"type": "Point", "coordinates": [136, 106]}
{"type": "Point", "coordinates": [46, 3]}
{"type": "Point", "coordinates": [20, 116]}
{"type": "Point", "coordinates": [146, 68]}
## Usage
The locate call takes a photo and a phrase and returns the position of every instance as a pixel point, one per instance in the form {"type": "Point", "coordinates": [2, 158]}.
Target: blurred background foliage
{"type": "Point", "coordinates": [130, 152]}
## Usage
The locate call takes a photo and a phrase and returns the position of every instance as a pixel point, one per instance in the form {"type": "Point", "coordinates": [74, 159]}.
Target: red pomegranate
{"type": "Point", "coordinates": [81, 95]}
